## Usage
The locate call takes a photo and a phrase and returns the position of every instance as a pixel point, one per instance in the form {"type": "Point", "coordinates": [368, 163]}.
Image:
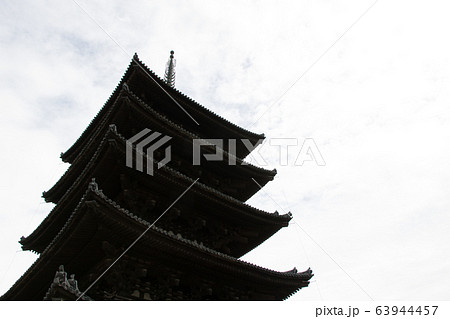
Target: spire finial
{"type": "Point", "coordinates": [169, 75]}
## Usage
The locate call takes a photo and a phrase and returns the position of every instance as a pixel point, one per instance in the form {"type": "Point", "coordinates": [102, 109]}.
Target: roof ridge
{"type": "Point", "coordinates": [211, 189]}
{"type": "Point", "coordinates": [170, 234]}
{"type": "Point", "coordinates": [113, 130]}
{"type": "Point", "coordinates": [209, 112]}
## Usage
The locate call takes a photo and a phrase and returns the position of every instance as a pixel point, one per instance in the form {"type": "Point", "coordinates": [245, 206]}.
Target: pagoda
{"type": "Point", "coordinates": [187, 224]}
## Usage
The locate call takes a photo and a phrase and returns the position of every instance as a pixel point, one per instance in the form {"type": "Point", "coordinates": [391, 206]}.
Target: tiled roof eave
{"type": "Point", "coordinates": [66, 156]}
{"type": "Point", "coordinates": [301, 278]}
{"type": "Point", "coordinates": [188, 243]}
{"type": "Point", "coordinates": [191, 136]}
{"type": "Point", "coordinates": [111, 133]}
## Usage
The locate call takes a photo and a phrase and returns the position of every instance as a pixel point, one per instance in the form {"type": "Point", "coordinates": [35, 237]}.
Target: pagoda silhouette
{"type": "Point", "coordinates": [120, 233]}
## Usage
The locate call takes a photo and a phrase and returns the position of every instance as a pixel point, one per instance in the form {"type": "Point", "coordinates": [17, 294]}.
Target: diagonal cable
{"type": "Point", "coordinates": [315, 242]}
{"type": "Point", "coordinates": [136, 240]}
{"type": "Point", "coordinates": [303, 247]}
{"type": "Point", "coordinates": [314, 63]}
{"type": "Point", "coordinates": [143, 69]}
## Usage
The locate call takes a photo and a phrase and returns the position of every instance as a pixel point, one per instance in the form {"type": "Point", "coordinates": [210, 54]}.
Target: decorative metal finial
{"type": "Point", "coordinates": [169, 75]}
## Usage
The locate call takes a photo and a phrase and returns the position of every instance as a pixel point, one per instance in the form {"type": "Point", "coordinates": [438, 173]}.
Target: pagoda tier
{"type": "Point", "coordinates": [217, 220]}
{"type": "Point", "coordinates": [160, 266]}
{"type": "Point", "coordinates": [150, 88]}
{"type": "Point", "coordinates": [132, 115]}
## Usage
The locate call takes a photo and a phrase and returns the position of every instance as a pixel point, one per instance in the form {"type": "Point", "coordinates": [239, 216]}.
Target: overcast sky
{"type": "Point", "coordinates": [374, 221]}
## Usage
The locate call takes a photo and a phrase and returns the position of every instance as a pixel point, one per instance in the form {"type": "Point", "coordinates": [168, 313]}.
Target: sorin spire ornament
{"type": "Point", "coordinates": [169, 75]}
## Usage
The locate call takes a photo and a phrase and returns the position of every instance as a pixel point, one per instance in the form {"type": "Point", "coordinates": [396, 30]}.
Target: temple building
{"type": "Point", "coordinates": [176, 234]}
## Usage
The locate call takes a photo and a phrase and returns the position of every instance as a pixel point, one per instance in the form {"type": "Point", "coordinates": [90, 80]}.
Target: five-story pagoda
{"type": "Point", "coordinates": [175, 234]}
